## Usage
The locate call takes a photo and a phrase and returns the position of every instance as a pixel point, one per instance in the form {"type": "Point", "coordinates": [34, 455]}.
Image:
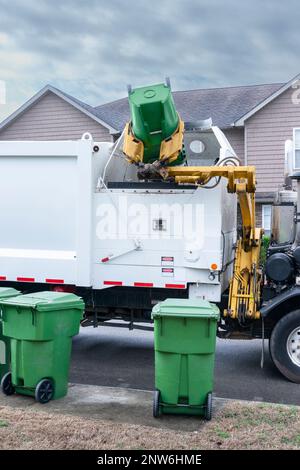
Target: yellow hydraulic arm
{"type": "Point", "coordinates": [244, 291]}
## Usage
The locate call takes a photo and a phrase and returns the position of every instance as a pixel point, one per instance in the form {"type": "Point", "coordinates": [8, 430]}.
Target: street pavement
{"type": "Point", "coordinates": [116, 357]}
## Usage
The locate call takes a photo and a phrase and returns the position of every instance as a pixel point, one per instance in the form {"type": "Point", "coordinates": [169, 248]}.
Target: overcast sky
{"type": "Point", "coordinates": [93, 48]}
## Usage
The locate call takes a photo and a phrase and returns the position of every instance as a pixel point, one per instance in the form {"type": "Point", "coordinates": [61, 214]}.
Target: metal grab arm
{"type": "Point", "coordinates": [202, 174]}
{"type": "Point", "coordinates": [241, 180]}
{"type": "Point", "coordinates": [244, 291]}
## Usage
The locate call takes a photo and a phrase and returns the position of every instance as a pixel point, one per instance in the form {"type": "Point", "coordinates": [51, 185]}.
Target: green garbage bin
{"type": "Point", "coordinates": [185, 340]}
{"type": "Point", "coordinates": [41, 326]}
{"type": "Point", "coordinates": [5, 293]}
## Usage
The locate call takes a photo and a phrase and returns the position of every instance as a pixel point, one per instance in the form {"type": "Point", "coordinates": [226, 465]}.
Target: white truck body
{"type": "Point", "coordinates": [71, 215]}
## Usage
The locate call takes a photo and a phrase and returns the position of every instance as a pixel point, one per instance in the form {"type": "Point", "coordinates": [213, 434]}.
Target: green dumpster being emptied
{"type": "Point", "coordinates": [185, 340]}
{"type": "Point", "coordinates": [40, 327]}
{"type": "Point", "coordinates": [5, 293]}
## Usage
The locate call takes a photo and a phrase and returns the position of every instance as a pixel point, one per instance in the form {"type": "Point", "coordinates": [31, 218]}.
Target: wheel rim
{"type": "Point", "coordinates": [6, 384]}
{"type": "Point", "coordinates": [45, 391]}
{"type": "Point", "coordinates": [293, 346]}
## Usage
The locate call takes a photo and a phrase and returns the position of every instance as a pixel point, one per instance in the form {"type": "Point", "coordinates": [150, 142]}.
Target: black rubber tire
{"type": "Point", "coordinates": [278, 346]}
{"type": "Point", "coordinates": [6, 384]}
{"type": "Point", "coordinates": [208, 407]}
{"type": "Point", "coordinates": [270, 352]}
{"type": "Point", "coordinates": [44, 391]}
{"type": "Point", "coordinates": [156, 404]}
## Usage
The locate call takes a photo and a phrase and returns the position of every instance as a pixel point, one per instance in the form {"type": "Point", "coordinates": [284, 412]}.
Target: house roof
{"type": "Point", "coordinates": [227, 107]}
{"type": "Point", "coordinates": [224, 105]}
{"type": "Point", "coordinates": [83, 107]}
{"type": "Point", "coordinates": [261, 104]}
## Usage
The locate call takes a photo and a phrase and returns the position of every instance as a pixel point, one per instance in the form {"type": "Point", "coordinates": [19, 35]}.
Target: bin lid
{"type": "Point", "coordinates": [186, 308]}
{"type": "Point", "coordinates": [46, 301]}
{"type": "Point", "coordinates": [6, 292]}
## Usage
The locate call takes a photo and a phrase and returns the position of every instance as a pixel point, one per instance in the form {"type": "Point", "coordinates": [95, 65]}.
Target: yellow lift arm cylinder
{"type": "Point", "coordinates": [245, 285]}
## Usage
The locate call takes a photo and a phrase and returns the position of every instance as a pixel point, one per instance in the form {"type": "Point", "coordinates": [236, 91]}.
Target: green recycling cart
{"type": "Point", "coordinates": [185, 341]}
{"type": "Point", "coordinates": [40, 327]}
{"type": "Point", "coordinates": [154, 119]}
{"type": "Point", "coordinates": [5, 293]}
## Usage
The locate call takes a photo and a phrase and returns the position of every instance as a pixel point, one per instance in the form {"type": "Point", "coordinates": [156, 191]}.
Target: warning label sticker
{"type": "Point", "coordinates": [167, 260]}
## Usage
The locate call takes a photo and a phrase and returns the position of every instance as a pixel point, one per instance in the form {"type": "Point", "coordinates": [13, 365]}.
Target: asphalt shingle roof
{"type": "Point", "coordinates": [223, 105]}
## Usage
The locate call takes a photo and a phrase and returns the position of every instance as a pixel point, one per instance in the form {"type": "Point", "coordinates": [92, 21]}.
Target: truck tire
{"type": "Point", "coordinates": [270, 352]}
{"type": "Point", "coordinates": [285, 346]}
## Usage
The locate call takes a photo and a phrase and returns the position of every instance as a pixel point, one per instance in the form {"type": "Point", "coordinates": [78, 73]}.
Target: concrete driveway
{"type": "Point", "coordinates": [118, 357]}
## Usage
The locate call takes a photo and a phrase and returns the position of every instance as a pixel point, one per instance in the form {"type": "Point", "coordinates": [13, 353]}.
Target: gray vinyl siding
{"type": "Point", "coordinates": [267, 131]}
{"type": "Point", "coordinates": [52, 118]}
{"type": "Point", "coordinates": [236, 140]}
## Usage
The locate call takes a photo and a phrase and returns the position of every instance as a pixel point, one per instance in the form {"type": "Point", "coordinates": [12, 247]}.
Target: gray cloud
{"type": "Point", "coordinates": [93, 48]}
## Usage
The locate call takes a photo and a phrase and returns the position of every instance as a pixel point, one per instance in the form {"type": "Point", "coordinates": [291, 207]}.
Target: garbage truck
{"type": "Point", "coordinates": [152, 216]}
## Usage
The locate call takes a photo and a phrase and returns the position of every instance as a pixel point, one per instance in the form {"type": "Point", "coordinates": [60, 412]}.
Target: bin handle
{"type": "Point", "coordinates": [33, 316]}
{"type": "Point", "coordinates": [161, 326]}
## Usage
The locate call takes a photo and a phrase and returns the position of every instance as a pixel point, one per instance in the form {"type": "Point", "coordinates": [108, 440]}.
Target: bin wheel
{"type": "Point", "coordinates": [44, 391]}
{"type": "Point", "coordinates": [6, 384]}
{"type": "Point", "coordinates": [156, 404]}
{"type": "Point", "coordinates": [208, 407]}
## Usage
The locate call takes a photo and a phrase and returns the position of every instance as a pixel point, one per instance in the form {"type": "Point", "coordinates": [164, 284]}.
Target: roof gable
{"type": "Point", "coordinates": [267, 100]}
{"type": "Point", "coordinates": [80, 105]}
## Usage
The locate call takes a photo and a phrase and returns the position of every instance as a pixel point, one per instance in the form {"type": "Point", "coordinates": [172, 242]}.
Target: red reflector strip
{"type": "Point", "coordinates": [25, 279]}
{"type": "Point", "coordinates": [104, 260]}
{"type": "Point", "coordinates": [113, 283]}
{"type": "Point", "coordinates": [143, 284]}
{"type": "Point", "coordinates": [2, 278]}
{"type": "Point", "coordinates": [55, 281]}
{"type": "Point", "coordinates": [175, 286]}
{"type": "Point", "coordinates": [167, 270]}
